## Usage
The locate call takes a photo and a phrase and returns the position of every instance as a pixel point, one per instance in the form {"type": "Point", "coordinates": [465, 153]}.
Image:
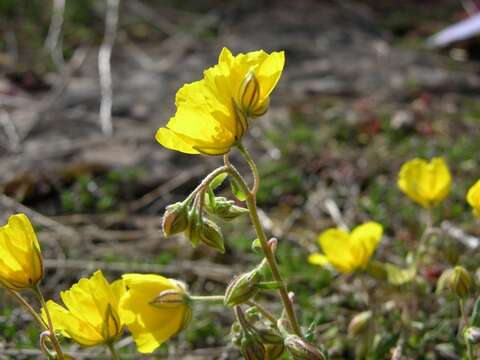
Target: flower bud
{"type": "Point", "coordinates": [248, 98]}
{"type": "Point", "coordinates": [472, 335]}
{"type": "Point", "coordinates": [269, 336]}
{"type": "Point", "coordinates": [211, 235]}
{"type": "Point", "coordinates": [459, 281]}
{"type": "Point", "coordinates": [168, 299]}
{"type": "Point", "coordinates": [175, 219]}
{"type": "Point", "coordinates": [360, 323]}
{"type": "Point", "coordinates": [242, 288]}
{"type": "Point", "coordinates": [192, 231]}
{"type": "Point", "coordinates": [112, 325]}
{"type": "Point", "coordinates": [300, 349]}
{"type": "Point", "coordinates": [251, 348]}
{"type": "Point", "coordinates": [226, 209]}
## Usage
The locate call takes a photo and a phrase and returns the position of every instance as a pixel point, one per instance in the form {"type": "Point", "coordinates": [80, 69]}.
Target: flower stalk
{"type": "Point", "coordinates": [53, 337]}
{"type": "Point", "coordinates": [267, 251]}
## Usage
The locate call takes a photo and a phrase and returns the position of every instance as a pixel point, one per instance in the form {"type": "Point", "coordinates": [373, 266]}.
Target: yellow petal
{"type": "Point", "coordinates": [473, 198]}
{"type": "Point", "coordinates": [20, 257]}
{"type": "Point", "coordinates": [269, 73]}
{"type": "Point", "coordinates": [92, 313]}
{"type": "Point", "coordinates": [365, 239]}
{"type": "Point", "coordinates": [149, 325]}
{"type": "Point", "coordinates": [425, 183]}
{"type": "Point", "coordinates": [72, 327]}
{"type": "Point", "coordinates": [318, 259]}
{"type": "Point", "coordinates": [337, 247]}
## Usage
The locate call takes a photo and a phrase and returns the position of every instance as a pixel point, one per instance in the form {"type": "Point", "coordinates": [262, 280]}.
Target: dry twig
{"type": "Point", "coordinates": [104, 68]}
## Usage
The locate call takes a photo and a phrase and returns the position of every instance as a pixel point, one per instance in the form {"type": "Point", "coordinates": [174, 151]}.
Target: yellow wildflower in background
{"type": "Point", "coordinates": [212, 113]}
{"type": "Point", "coordinates": [426, 183]}
{"type": "Point", "coordinates": [91, 314]}
{"type": "Point", "coordinates": [473, 198]}
{"type": "Point", "coordinates": [151, 320]}
{"type": "Point", "coordinates": [20, 257]}
{"type": "Point", "coordinates": [345, 251]}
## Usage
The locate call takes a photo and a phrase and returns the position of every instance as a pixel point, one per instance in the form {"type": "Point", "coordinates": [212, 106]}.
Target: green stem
{"type": "Point", "coordinates": [271, 260]}
{"type": "Point", "coordinates": [211, 298]}
{"type": "Point", "coordinates": [207, 180]}
{"type": "Point", "coordinates": [470, 353]}
{"type": "Point", "coordinates": [29, 308]}
{"type": "Point", "coordinates": [53, 337]}
{"type": "Point", "coordinates": [267, 314]}
{"type": "Point", "coordinates": [113, 351]}
{"type": "Point", "coordinates": [253, 167]}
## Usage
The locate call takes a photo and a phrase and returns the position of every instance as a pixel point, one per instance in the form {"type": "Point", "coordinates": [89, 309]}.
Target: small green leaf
{"type": "Point", "coordinates": [237, 190]}
{"type": "Point", "coordinates": [218, 180]}
{"type": "Point", "coordinates": [256, 246]}
{"type": "Point", "coordinates": [211, 199]}
{"type": "Point", "coordinates": [269, 285]}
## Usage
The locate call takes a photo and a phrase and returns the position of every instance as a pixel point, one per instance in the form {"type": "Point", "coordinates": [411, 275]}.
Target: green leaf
{"type": "Point", "coordinates": [398, 276]}
{"type": "Point", "coordinates": [237, 190]}
{"type": "Point", "coordinates": [211, 199]}
{"type": "Point", "coordinates": [218, 180]}
{"type": "Point", "coordinates": [269, 285]}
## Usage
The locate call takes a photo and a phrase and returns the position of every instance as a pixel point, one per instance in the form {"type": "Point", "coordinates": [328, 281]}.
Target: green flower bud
{"type": "Point", "coordinates": [175, 219]}
{"type": "Point", "coordinates": [248, 99]}
{"type": "Point", "coordinates": [242, 288]}
{"type": "Point", "coordinates": [226, 209]}
{"type": "Point", "coordinates": [269, 336]}
{"type": "Point", "coordinates": [460, 281]}
{"type": "Point", "coordinates": [360, 323]}
{"type": "Point", "coordinates": [192, 232]}
{"type": "Point", "coordinates": [211, 235]}
{"type": "Point", "coordinates": [472, 335]}
{"type": "Point", "coordinates": [300, 349]}
{"type": "Point", "coordinates": [457, 280]}
{"type": "Point", "coordinates": [169, 299]}
{"type": "Point", "coordinates": [251, 348]}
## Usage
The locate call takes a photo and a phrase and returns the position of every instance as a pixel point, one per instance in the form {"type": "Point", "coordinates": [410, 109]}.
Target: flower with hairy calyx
{"type": "Point", "coordinates": [91, 314]}
{"type": "Point", "coordinates": [301, 349]}
{"type": "Point", "coordinates": [175, 219]}
{"type": "Point", "coordinates": [21, 264]}
{"type": "Point", "coordinates": [426, 183]}
{"type": "Point", "coordinates": [457, 280]}
{"type": "Point", "coordinates": [473, 198]}
{"type": "Point", "coordinates": [154, 309]}
{"type": "Point", "coordinates": [345, 251]}
{"type": "Point", "coordinates": [212, 113]}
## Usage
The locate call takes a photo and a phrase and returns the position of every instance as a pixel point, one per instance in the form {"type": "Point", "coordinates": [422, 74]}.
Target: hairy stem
{"type": "Point", "coordinates": [53, 337]}
{"type": "Point", "coordinates": [29, 308]}
{"type": "Point", "coordinates": [271, 260]}
{"type": "Point", "coordinates": [211, 298]}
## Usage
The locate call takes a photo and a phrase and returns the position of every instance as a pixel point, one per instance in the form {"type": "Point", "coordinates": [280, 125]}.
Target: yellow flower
{"type": "Point", "coordinates": [345, 251]}
{"type": "Point", "coordinates": [473, 198]}
{"type": "Point", "coordinates": [20, 257]}
{"type": "Point", "coordinates": [212, 113]}
{"type": "Point", "coordinates": [426, 183]}
{"type": "Point", "coordinates": [151, 320]}
{"type": "Point", "coordinates": [91, 314]}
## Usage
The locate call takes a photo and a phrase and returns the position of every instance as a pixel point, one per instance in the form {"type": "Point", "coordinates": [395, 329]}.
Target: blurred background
{"type": "Point", "coordinates": [84, 85]}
